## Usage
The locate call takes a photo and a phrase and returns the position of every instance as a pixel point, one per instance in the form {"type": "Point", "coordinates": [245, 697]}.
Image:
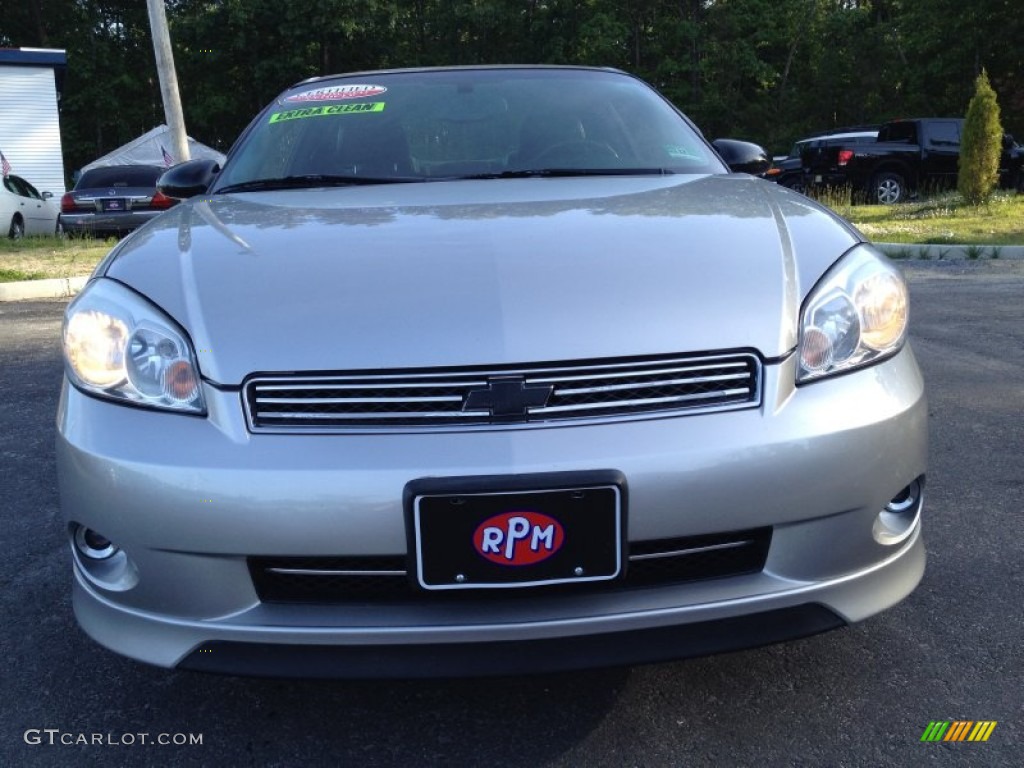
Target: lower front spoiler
{"type": "Point", "coordinates": [517, 657]}
{"type": "Point", "coordinates": [655, 625]}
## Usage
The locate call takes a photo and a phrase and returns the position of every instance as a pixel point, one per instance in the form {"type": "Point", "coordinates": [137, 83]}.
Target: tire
{"type": "Point", "coordinates": [17, 230]}
{"type": "Point", "coordinates": [888, 188]}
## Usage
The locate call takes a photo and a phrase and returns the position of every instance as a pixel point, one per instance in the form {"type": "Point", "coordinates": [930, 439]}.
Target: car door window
{"type": "Point", "coordinates": [22, 188]}
{"type": "Point", "coordinates": [30, 191]}
{"type": "Point", "coordinates": [905, 133]}
{"type": "Point", "coordinates": [945, 134]}
{"type": "Point", "coordinates": [14, 184]}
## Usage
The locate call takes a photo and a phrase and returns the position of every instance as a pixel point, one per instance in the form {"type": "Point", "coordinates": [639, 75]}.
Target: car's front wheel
{"type": "Point", "coordinates": [17, 230]}
{"type": "Point", "coordinates": [889, 188]}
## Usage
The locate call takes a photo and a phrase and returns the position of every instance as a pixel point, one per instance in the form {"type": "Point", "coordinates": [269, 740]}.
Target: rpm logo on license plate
{"type": "Point", "coordinates": [519, 538]}
{"type": "Point", "coordinates": [525, 531]}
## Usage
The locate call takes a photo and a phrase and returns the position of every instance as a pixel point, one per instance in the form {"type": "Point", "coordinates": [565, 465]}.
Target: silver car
{"type": "Point", "coordinates": [484, 371]}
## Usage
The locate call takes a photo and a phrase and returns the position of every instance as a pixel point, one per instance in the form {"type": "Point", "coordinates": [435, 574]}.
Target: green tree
{"type": "Point", "coordinates": [980, 144]}
{"type": "Point", "coordinates": [766, 70]}
{"type": "Point", "coordinates": [948, 42]}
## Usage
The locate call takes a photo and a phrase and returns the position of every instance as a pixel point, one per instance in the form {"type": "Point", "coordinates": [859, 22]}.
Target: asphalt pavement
{"type": "Point", "coordinates": [861, 696]}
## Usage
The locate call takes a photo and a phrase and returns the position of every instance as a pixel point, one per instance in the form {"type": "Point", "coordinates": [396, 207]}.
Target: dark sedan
{"type": "Point", "coordinates": [113, 200]}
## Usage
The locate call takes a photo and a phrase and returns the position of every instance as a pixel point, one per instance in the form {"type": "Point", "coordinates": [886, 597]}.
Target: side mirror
{"type": "Point", "coordinates": [189, 179]}
{"type": "Point", "coordinates": [743, 156]}
{"type": "Point", "coordinates": [46, 195]}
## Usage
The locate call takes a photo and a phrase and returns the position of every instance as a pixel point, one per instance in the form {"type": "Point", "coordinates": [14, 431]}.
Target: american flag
{"type": "Point", "coordinates": [5, 164]}
{"type": "Point", "coordinates": [168, 160]}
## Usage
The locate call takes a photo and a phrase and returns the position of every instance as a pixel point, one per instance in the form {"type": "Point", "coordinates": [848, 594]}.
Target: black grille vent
{"type": "Point", "coordinates": [384, 578]}
{"type": "Point", "coordinates": [516, 395]}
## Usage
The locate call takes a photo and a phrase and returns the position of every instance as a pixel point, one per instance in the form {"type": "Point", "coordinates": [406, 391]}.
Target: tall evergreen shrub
{"type": "Point", "coordinates": [980, 144]}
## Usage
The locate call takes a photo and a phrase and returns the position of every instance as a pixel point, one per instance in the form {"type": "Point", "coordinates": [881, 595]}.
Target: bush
{"type": "Point", "coordinates": [980, 145]}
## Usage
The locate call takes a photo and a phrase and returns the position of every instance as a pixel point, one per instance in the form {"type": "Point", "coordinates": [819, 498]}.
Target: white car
{"type": "Point", "coordinates": [26, 211]}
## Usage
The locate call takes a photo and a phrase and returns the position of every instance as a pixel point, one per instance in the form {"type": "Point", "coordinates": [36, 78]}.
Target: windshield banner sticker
{"type": "Point", "coordinates": [334, 109]}
{"type": "Point", "coordinates": [337, 93]}
{"type": "Point", "coordinates": [677, 150]}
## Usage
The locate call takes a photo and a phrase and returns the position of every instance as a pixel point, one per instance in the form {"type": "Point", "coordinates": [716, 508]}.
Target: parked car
{"type": "Point", "coordinates": [908, 156]}
{"type": "Point", "coordinates": [480, 371]}
{"type": "Point", "coordinates": [24, 211]}
{"type": "Point", "coordinates": [788, 170]}
{"type": "Point", "coordinates": [113, 200]}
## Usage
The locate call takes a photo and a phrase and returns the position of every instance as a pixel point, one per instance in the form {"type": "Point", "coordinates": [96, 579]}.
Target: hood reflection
{"type": "Point", "coordinates": [675, 197]}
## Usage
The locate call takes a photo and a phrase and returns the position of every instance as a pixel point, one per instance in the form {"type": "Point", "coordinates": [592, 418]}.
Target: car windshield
{"type": "Point", "coordinates": [455, 124]}
{"type": "Point", "coordinates": [120, 176]}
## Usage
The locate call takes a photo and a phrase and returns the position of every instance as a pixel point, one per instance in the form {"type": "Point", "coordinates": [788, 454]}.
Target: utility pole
{"type": "Point", "coordinates": [168, 81]}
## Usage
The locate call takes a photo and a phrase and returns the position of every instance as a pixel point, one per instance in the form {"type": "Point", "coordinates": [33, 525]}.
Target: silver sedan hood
{"type": "Point", "coordinates": [483, 272]}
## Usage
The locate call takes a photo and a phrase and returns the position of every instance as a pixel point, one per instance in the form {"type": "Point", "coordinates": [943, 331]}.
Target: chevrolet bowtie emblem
{"type": "Point", "coordinates": [508, 398]}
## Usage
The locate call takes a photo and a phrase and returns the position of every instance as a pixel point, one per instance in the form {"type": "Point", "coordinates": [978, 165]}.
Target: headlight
{"type": "Point", "coordinates": [856, 315]}
{"type": "Point", "coordinates": [119, 346]}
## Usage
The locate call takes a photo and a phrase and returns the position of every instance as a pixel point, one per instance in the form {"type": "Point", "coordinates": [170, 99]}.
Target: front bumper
{"type": "Point", "coordinates": [190, 499]}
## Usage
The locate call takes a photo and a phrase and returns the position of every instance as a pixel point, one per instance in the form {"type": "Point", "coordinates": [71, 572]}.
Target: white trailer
{"type": "Point", "coordinates": [29, 121]}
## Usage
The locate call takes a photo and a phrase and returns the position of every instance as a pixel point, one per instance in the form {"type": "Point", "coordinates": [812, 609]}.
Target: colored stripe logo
{"type": "Point", "coordinates": [958, 730]}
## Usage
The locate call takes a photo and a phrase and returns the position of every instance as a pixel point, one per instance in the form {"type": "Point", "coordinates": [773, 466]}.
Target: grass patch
{"type": "Point", "coordinates": [15, 275]}
{"type": "Point", "coordinates": [942, 220]}
{"type": "Point", "coordinates": [36, 258]}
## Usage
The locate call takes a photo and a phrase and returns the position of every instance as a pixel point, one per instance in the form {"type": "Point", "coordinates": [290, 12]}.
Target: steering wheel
{"type": "Point", "coordinates": [576, 152]}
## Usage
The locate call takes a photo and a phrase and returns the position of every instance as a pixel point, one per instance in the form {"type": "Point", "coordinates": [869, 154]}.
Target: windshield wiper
{"type": "Point", "coordinates": [311, 180]}
{"type": "Point", "coordinates": [566, 172]}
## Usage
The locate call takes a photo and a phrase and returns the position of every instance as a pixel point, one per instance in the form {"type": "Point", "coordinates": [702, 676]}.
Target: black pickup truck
{"type": "Point", "coordinates": [908, 156]}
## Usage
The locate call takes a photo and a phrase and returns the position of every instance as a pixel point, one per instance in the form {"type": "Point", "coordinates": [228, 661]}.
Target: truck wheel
{"type": "Point", "coordinates": [889, 188]}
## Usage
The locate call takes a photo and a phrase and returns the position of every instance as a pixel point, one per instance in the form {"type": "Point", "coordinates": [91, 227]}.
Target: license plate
{"type": "Point", "coordinates": [817, 179]}
{"type": "Point", "coordinates": [113, 204]}
{"type": "Point", "coordinates": [509, 539]}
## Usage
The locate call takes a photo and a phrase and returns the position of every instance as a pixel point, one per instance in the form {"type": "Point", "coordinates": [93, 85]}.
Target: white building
{"type": "Point", "coordinates": [29, 124]}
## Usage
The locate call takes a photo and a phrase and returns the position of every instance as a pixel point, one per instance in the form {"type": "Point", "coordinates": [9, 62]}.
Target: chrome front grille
{"type": "Point", "coordinates": [507, 395]}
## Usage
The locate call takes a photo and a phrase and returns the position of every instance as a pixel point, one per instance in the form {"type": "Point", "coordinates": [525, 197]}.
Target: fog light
{"type": "Point", "coordinates": [896, 522]}
{"type": "Point", "coordinates": [905, 499]}
{"type": "Point", "coordinates": [93, 545]}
